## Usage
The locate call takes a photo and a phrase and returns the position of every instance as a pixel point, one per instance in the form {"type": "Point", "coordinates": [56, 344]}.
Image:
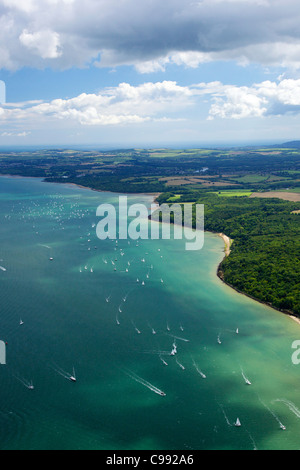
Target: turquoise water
{"type": "Point", "coordinates": [113, 345]}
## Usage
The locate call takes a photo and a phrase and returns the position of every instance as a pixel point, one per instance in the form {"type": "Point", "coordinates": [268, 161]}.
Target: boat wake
{"type": "Point", "coordinates": [225, 416]}
{"type": "Point", "coordinates": [136, 329]}
{"type": "Point", "coordinates": [274, 415]}
{"type": "Point", "coordinates": [180, 365]}
{"type": "Point", "coordinates": [26, 383]}
{"type": "Point", "coordinates": [290, 405]}
{"type": "Point", "coordinates": [198, 370]}
{"type": "Point", "coordinates": [64, 373]}
{"type": "Point", "coordinates": [178, 337]}
{"type": "Point", "coordinates": [247, 381]}
{"type": "Point", "coordinates": [147, 384]}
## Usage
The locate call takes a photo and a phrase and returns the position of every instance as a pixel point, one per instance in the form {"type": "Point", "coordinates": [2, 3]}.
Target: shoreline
{"type": "Point", "coordinates": [227, 241]}
{"type": "Point", "coordinates": [220, 275]}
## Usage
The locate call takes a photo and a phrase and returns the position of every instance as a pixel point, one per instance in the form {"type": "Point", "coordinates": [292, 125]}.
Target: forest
{"type": "Point", "coordinates": [265, 255]}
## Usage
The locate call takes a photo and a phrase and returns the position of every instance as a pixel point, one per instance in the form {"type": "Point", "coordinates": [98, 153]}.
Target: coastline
{"type": "Point", "coordinates": [227, 241]}
{"type": "Point", "coordinates": [220, 274]}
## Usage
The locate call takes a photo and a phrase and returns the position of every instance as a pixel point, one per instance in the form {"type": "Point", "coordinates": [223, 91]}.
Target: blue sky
{"type": "Point", "coordinates": [117, 73]}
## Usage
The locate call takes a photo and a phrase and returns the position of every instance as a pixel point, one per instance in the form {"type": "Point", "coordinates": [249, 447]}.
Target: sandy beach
{"type": "Point", "coordinates": [228, 243]}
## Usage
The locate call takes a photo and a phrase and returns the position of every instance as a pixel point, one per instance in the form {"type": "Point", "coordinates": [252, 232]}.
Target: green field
{"type": "Point", "coordinates": [233, 193]}
{"type": "Point", "coordinates": [251, 179]}
{"type": "Point", "coordinates": [292, 190]}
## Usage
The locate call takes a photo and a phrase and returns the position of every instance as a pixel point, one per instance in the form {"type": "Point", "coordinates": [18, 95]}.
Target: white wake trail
{"type": "Point", "coordinates": [147, 384]}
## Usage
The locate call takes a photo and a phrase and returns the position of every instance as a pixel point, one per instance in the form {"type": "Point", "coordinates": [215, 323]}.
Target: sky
{"type": "Point", "coordinates": [122, 73]}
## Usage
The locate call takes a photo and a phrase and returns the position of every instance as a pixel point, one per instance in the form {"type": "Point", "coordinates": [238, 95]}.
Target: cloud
{"type": "Point", "coordinates": [164, 102]}
{"type": "Point", "coordinates": [46, 44]}
{"type": "Point", "coordinates": [264, 99]}
{"type": "Point", "coordinates": [149, 35]}
{"type": "Point", "coordinates": [15, 134]}
{"type": "Point", "coordinates": [124, 104]}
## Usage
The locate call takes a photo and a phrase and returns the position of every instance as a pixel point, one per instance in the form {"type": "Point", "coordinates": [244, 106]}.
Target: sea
{"type": "Point", "coordinates": [163, 354]}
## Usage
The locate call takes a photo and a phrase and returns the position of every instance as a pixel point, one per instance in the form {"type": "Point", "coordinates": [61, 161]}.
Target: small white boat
{"type": "Point", "coordinates": [73, 377]}
{"type": "Point", "coordinates": [180, 365]}
{"type": "Point", "coordinates": [163, 361]}
{"type": "Point", "coordinates": [282, 427]}
{"type": "Point", "coordinates": [21, 321]}
{"type": "Point", "coordinates": [237, 423]}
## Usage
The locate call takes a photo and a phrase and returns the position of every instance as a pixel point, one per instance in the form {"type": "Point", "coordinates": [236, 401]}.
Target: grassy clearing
{"type": "Point", "coordinates": [234, 193]}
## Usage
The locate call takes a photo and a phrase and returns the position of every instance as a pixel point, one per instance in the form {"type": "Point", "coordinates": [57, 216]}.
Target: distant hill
{"type": "Point", "coordinates": [290, 145]}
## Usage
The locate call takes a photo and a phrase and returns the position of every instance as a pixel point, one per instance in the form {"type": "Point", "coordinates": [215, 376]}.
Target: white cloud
{"type": "Point", "coordinates": [158, 102]}
{"type": "Point", "coordinates": [46, 43]}
{"type": "Point", "coordinates": [264, 99]}
{"type": "Point", "coordinates": [124, 104]}
{"type": "Point", "coordinates": [15, 134]}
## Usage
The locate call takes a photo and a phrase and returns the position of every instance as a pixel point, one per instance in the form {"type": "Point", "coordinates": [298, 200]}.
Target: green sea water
{"type": "Point", "coordinates": [118, 334]}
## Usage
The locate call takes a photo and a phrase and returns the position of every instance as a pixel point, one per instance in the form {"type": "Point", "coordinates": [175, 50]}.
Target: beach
{"type": "Point", "coordinates": [228, 242]}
